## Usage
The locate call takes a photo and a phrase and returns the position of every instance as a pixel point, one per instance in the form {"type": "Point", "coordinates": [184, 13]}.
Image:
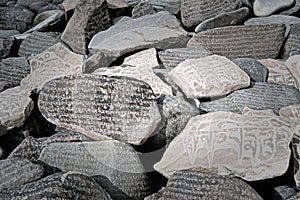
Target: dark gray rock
{"type": "Point", "coordinates": [6, 46]}
{"type": "Point", "coordinates": [3, 2]}
{"type": "Point", "coordinates": [292, 45]}
{"type": "Point", "coordinates": [36, 6]}
{"type": "Point", "coordinates": [48, 7]}
{"type": "Point", "coordinates": [142, 9]}
{"type": "Point", "coordinates": [2, 154]}
{"type": "Point", "coordinates": [26, 3]}
{"type": "Point", "coordinates": [253, 68]}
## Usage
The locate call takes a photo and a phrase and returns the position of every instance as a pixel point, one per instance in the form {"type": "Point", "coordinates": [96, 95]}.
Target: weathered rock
{"type": "Point", "coordinates": [96, 61]}
{"type": "Point", "coordinates": [89, 18]}
{"type": "Point", "coordinates": [6, 46]}
{"type": "Point", "coordinates": [256, 71]}
{"type": "Point", "coordinates": [146, 58]}
{"type": "Point", "coordinates": [37, 42]}
{"type": "Point", "coordinates": [115, 160]}
{"type": "Point", "coordinates": [17, 171]}
{"type": "Point", "coordinates": [253, 145]}
{"type": "Point", "coordinates": [25, 3]}
{"type": "Point", "coordinates": [155, 195]}
{"type": "Point", "coordinates": [209, 77]}
{"type": "Point", "coordinates": [293, 10]}
{"type": "Point", "coordinates": [70, 4]}
{"type": "Point", "coordinates": [8, 33]}
{"type": "Point", "coordinates": [161, 30]}
{"type": "Point", "coordinates": [224, 19]}
{"type": "Point", "coordinates": [195, 11]}
{"type": "Point", "coordinates": [172, 57]}
{"type": "Point", "coordinates": [191, 184]}
{"type": "Point", "coordinates": [115, 4]}
{"type": "Point", "coordinates": [259, 97]}
{"type": "Point", "coordinates": [292, 45]}
{"type": "Point", "coordinates": [285, 191]}
{"type": "Point", "coordinates": [172, 6]}
{"type": "Point", "coordinates": [36, 6]}
{"type": "Point", "coordinates": [268, 7]}
{"type": "Point", "coordinates": [242, 41]}
{"type": "Point", "coordinates": [101, 107]}
{"type": "Point", "coordinates": [54, 62]}
{"type": "Point", "coordinates": [142, 9]}
{"type": "Point", "coordinates": [44, 16]}
{"type": "Point", "coordinates": [293, 64]}
{"type": "Point", "coordinates": [70, 185]}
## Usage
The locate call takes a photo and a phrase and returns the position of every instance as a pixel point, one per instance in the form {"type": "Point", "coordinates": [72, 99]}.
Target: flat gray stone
{"type": "Point", "coordinates": [242, 41]}
{"type": "Point", "coordinates": [96, 61]}
{"type": "Point", "coordinates": [146, 58]}
{"type": "Point", "coordinates": [142, 9]}
{"type": "Point", "coordinates": [285, 191]}
{"type": "Point", "coordinates": [292, 10]}
{"type": "Point", "coordinates": [292, 45]}
{"type": "Point", "coordinates": [224, 19]}
{"type": "Point", "coordinates": [116, 4]}
{"type": "Point", "coordinates": [8, 33]}
{"type": "Point", "coordinates": [256, 71]}
{"type": "Point", "coordinates": [268, 7]}
{"type": "Point", "coordinates": [293, 64]}
{"type": "Point", "coordinates": [259, 97]}
{"type": "Point", "coordinates": [6, 46]}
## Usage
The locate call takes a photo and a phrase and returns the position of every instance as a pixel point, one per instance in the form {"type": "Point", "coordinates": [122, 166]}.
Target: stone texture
{"type": "Point", "coordinates": [70, 185]}
{"type": "Point", "coordinates": [142, 9]}
{"type": "Point", "coordinates": [292, 45]}
{"type": "Point", "coordinates": [285, 191]}
{"type": "Point", "coordinates": [2, 154]}
{"type": "Point", "coordinates": [37, 42]}
{"type": "Point", "coordinates": [195, 11]}
{"type": "Point", "coordinates": [268, 7]}
{"type": "Point", "coordinates": [101, 107]}
{"type": "Point", "coordinates": [209, 77]}
{"type": "Point", "coordinates": [115, 4]}
{"type": "Point", "coordinates": [259, 97]}
{"type": "Point", "coordinates": [292, 10]}
{"type": "Point", "coordinates": [256, 71]}
{"type": "Point", "coordinates": [17, 171]}
{"type": "Point", "coordinates": [224, 19]}
{"type": "Point", "coordinates": [6, 46]}
{"type": "Point", "coordinates": [293, 64]}
{"type": "Point", "coordinates": [8, 33]}
{"type": "Point", "coordinates": [295, 197]}
{"type": "Point", "coordinates": [54, 62]}
{"type": "Point", "coordinates": [242, 41]}
{"type": "Point", "coordinates": [146, 58]}
{"type": "Point", "coordinates": [89, 18]}
{"type": "Point", "coordinates": [190, 184]}
{"type": "Point", "coordinates": [253, 145]}
{"type": "Point", "coordinates": [161, 30]}
{"type": "Point", "coordinates": [115, 160]}
{"type": "Point", "coordinates": [172, 57]}
{"type": "Point", "coordinates": [96, 61]}
{"type": "Point", "coordinates": [70, 4]}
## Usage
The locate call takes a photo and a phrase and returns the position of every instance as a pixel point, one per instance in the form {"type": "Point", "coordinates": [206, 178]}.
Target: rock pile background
{"type": "Point", "coordinates": [149, 99]}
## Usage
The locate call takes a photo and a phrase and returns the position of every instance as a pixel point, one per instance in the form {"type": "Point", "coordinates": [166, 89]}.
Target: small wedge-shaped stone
{"type": "Point", "coordinates": [195, 11]}
{"type": "Point", "coordinates": [115, 160]}
{"type": "Point", "coordinates": [253, 145]}
{"type": "Point", "coordinates": [100, 106]}
{"type": "Point", "coordinates": [293, 63]}
{"type": "Point", "coordinates": [209, 77]}
{"type": "Point", "coordinates": [260, 97]}
{"type": "Point", "coordinates": [70, 185]}
{"type": "Point", "coordinates": [191, 184]}
{"type": "Point", "coordinates": [253, 68]}
{"type": "Point", "coordinates": [242, 41]}
{"type": "Point", "coordinates": [17, 171]}
{"type": "Point", "coordinates": [292, 45]}
{"type": "Point", "coordinates": [268, 7]}
{"type": "Point", "coordinates": [54, 62]}
{"type": "Point", "coordinates": [172, 57]}
{"type": "Point", "coordinates": [142, 9]}
{"type": "Point", "coordinates": [146, 58]}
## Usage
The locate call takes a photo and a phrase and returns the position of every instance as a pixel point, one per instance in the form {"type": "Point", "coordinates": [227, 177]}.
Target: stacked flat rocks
{"type": "Point", "coordinates": [149, 99]}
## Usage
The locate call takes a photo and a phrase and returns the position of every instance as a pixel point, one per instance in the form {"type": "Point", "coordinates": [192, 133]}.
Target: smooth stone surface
{"type": "Point", "coordinates": [254, 69]}
{"type": "Point", "coordinates": [142, 9]}
{"type": "Point", "coordinates": [115, 4]}
{"type": "Point", "coordinates": [293, 64]}
{"type": "Point", "coordinates": [7, 33]}
{"type": "Point", "coordinates": [293, 10]}
{"type": "Point", "coordinates": [195, 11]}
{"type": "Point", "coordinates": [292, 45]}
{"type": "Point", "coordinates": [43, 16]}
{"type": "Point", "coordinates": [101, 107]}
{"type": "Point", "coordinates": [115, 160]}
{"type": "Point", "coordinates": [17, 171]}
{"type": "Point", "coordinates": [219, 142]}
{"type": "Point", "coordinates": [242, 41]}
{"type": "Point", "coordinates": [191, 184]}
{"type": "Point", "coordinates": [146, 58]}
{"type": "Point", "coordinates": [172, 57]}
{"type": "Point", "coordinates": [209, 77]}
{"type": "Point", "coordinates": [268, 7]}
{"type": "Point", "coordinates": [6, 46]}
{"type": "Point", "coordinates": [259, 97]}
{"type": "Point", "coordinates": [224, 19]}
{"type": "Point", "coordinates": [96, 61]}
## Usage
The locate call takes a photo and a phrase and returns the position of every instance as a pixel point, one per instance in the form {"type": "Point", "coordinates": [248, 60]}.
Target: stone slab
{"type": "Point", "coordinates": [293, 64]}
{"type": "Point", "coordinates": [146, 58]}
{"type": "Point", "coordinates": [292, 45]}
{"type": "Point", "coordinates": [268, 7]}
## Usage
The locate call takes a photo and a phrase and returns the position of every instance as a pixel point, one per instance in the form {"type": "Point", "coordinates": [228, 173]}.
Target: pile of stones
{"type": "Point", "coordinates": [149, 99]}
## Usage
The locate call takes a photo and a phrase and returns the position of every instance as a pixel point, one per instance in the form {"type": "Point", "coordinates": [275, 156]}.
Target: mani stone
{"type": "Point", "coordinates": [292, 45]}
{"type": "Point", "coordinates": [209, 77]}
{"type": "Point", "coordinates": [256, 71]}
{"type": "Point", "coordinates": [101, 107]}
{"type": "Point", "coordinates": [6, 46]}
{"type": "Point", "coordinates": [17, 171]}
{"type": "Point", "coordinates": [253, 145]}
{"type": "Point", "coordinates": [259, 97]}
{"type": "Point", "coordinates": [268, 7]}
{"type": "Point", "coordinates": [242, 41]}
{"type": "Point", "coordinates": [37, 42]}
{"type": "Point", "coordinates": [54, 62]}
{"type": "Point", "coordinates": [146, 58]}
{"type": "Point", "coordinates": [142, 9]}
{"type": "Point", "coordinates": [117, 161]}
{"type": "Point", "coordinates": [191, 184]}
{"type": "Point", "coordinates": [285, 191]}
{"type": "Point", "coordinates": [161, 30]}
{"type": "Point", "coordinates": [15, 106]}
{"type": "Point", "coordinates": [293, 64]}
{"type": "Point", "coordinates": [172, 57]}
{"type": "Point", "coordinates": [89, 18]}
{"type": "Point", "coordinates": [70, 185]}
{"type": "Point", "coordinates": [195, 11]}
{"type": "Point", "coordinates": [224, 19]}
{"type": "Point", "coordinates": [96, 61]}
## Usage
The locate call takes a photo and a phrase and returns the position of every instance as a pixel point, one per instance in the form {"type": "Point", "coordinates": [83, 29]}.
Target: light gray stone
{"type": "Point", "coordinates": [292, 45]}
{"type": "Point", "coordinates": [146, 58]}
{"type": "Point", "coordinates": [8, 33]}
{"type": "Point", "coordinates": [268, 7]}
{"type": "Point", "coordinates": [293, 64]}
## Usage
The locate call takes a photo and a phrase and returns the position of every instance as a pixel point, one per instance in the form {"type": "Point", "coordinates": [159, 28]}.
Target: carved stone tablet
{"type": "Point", "coordinates": [6, 46]}
{"type": "Point", "coordinates": [195, 11]}
{"type": "Point", "coordinates": [101, 107]}
{"type": "Point", "coordinates": [191, 184]}
{"type": "Point", "coordinates": [253, 68]}
{"type": "Point", "coordinates": [259, 97]}
{"type": "Point", "coordinates": [146, 58]}
{"type": "Point", "coordinates": [115, 160]}
{"type": "Point", "coordinates": [172, 57]}
{"type": "Point", "coordinates": [253, 146]}
{"type": "Point", "coordinates": [268, 7]}
{"type": "Point", "coordinates": [209, 77]}
{"type": "Point", "coordinates": [292, 45]}
{"type": "Point", "coordinates": [142, 9]}
{"type": "Point", "coordinates": [242, 41]}
{"type": "Point", "coordinates": [293, 63]}
{"type": "Point", "coordinates": [17, 171]}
